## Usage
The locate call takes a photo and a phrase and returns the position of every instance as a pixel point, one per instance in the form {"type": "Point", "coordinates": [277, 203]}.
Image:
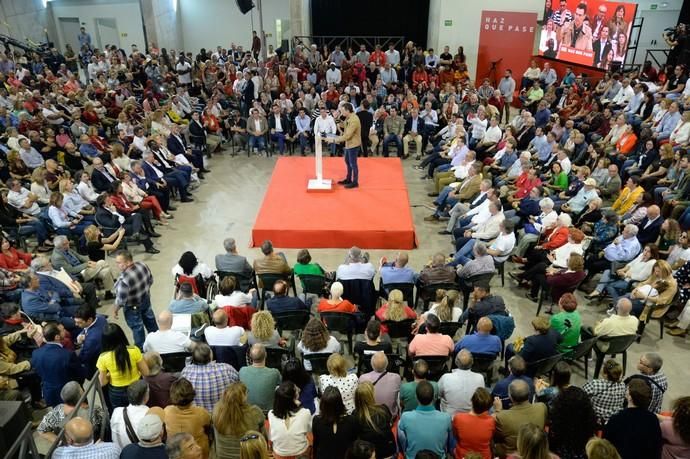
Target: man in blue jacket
{"type": "Point", "coordinates": [92, 326]}
{"type": "Point", "coordinates": [40, 304]}
{"type": "Point", "coordinates": [55, 365]}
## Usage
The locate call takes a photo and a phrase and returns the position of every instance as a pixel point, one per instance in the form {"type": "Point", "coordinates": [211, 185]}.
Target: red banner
{"type": "Point", "coordinates": [506, 39]}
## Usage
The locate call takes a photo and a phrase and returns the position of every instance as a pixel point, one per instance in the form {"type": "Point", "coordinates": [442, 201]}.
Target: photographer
{"type": "Point", "coordinates": [676, 38]}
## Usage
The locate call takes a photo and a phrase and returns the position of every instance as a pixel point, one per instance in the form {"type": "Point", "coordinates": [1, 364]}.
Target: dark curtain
{"type": "Point", "coordinates": [408, 18]}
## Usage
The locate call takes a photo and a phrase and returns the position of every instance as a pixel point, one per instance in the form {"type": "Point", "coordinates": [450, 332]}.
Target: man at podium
{"type": "Point", "coordinates": [353, 141]}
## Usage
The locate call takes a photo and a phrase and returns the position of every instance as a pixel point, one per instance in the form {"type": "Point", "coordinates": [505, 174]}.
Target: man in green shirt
{"type": "Point", "coordinates": [261, 381]}
{"type": "Point", "coordinates": [408, 390]}
{"type": "Point", "coordinates": [567, 322]}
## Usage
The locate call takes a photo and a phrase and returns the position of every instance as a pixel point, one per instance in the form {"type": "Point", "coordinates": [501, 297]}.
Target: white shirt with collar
{"type": "Point", "coordinates": [351, 271]}
{"type": "Point", "coordinates": [167, 341]}
{"type": "Point", "coordinates": [135, 413]}
{"type": "Point", "coordinates": [225, 336]}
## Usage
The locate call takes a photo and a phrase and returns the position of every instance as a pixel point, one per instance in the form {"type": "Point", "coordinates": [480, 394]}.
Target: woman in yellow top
{"type": "Point", "coordinates": [629, 194]}
{"type": "Point", "coordinates": [119, 364]}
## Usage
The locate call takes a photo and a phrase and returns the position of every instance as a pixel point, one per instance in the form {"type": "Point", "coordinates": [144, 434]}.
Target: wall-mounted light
{"type": "Point", "coordinates": [174, 5]}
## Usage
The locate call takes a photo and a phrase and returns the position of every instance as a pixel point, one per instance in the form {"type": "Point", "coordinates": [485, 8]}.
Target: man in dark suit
{"type": "Point", "coordinates": [156, 172]}
{"type": "Point", "coordinates": [279, 127]}
{"type": "Point", "coordinates": [101, 179]}
{"type": "Point", "coordinates": [48, 281]}
{"type": "Point", "coordinates": [92, 326]}
{"type": "Point", "coordinates": [55, 365]}
{"type": "Point", "coordinates": [178, 146]}
{"type": "Point", "coordinates": [282, 302]}
{"type": "Point", "coordinates": [109, 219]}
{"type": "Point", "coordinates": [167, 161]}
{"type": "Point", "coordinates": [414, 128]}
{"type": "Point", "coordinates": [650, 226]}
{"type": "Point", "coordinates": [248, 93]}
{"type": "Point", "coordinates": [155, 187]}
{"type": "Point", "coordinates": [602, 46]}
{"type": "Point", "coordinates": [366, 119]}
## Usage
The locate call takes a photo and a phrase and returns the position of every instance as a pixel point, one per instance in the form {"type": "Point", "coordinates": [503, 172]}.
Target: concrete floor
{"type": "Point", "coordinates": [228, 202]}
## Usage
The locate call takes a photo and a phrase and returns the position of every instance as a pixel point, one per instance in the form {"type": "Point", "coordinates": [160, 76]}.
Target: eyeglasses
{"type": "Point", "coordinates": [249, 437]}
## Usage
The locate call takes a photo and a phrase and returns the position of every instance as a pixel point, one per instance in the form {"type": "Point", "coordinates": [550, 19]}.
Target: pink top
{"type": "Point", "coordinates": [674, 446]}
{"type": "Point", "coordinates": [431, 344]}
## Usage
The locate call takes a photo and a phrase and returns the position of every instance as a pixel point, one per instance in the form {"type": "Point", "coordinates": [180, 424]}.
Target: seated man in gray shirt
{"type": "Point", "coordinates": [231, 261]}
{"type": "Point", "coordinates": [186, 302]}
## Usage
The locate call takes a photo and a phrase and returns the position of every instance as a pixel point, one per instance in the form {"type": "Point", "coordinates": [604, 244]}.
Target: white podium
{"type": "Point", "coordinates": [319, 183]}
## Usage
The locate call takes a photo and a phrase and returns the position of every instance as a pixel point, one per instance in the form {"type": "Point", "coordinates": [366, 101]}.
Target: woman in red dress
{"type": "Point", "coordinates": [12, 259]}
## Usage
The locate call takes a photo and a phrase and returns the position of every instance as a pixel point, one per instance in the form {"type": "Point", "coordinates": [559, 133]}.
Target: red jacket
{"type": "Point", "coordinates": [555, 238]}
{"type": "Point", "coordinates": [122, 204]}
{"type": "Point", "coordinates": [15, 260]}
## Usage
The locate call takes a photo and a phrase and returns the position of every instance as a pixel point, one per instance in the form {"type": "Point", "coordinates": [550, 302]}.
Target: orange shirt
{"type": "Point", "coordinates": [626, 143]}
{"type": "Point", "coordinates": [343, 306]}
{"type": "Point", "coordinates": [474, 433]}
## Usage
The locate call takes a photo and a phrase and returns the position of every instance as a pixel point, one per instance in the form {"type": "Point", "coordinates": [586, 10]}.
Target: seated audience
{"type": "Point", "coordinates": [456, 388]}
{"type": "Point", "coordinates": [234, 417]}
{"type": "Point", "coordinates": [316, 340]}
{"type": "Point", "coordinates": [338, 377]}
{"type": "Point", "coordinates": [260, 380]}
{"type": "Point", "coordinates": [425, 428]}
{"type": "Point", "coordinates": [184, 415]}
{"type": "Point", "coordinates": [220, 333]}
{"type": "Point", "coordinates": [474, 431]}
{"type": "Point", "coordinates": [432, 342]}
{"type": "Point", "coordinates": [138, 396]}
{"type": "Point", "coordinates": [208, 378]}
{"type": "Point", "coordinates": [386, 384]}
{"type": "Point", "coordinates": [336, 303]}
{"type": "Point", "coordinates": [165, 340]}
{"type": "Point", "coordinates": [159, 381]}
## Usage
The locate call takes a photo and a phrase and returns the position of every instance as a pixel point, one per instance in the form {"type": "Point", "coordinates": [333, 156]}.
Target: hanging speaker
{"type": "Point", "coordinates": [245, 6]}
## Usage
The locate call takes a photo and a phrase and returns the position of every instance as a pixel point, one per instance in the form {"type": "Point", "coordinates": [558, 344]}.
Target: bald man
{"type": "Point", "coordinates": [166, 340]}
{"type": "Point", "coordinates": [457, 388]}
{"type": "Point", "coordinates": [261, 381]}
{"type": "Point", "coordinates": [386, 384]}
{"type": "Point", "coordinates": [397, 271]}
{"type": "Point", "coordinates": [619, 324]}
{"type": "Point", "coordinates": [650, 226]}
{"type": "Point", "coordinates": [481, 341]}
{"type": "Point", "coordinates": [220, 334]}
{"type": "Point", "coordinates": [79, 438]}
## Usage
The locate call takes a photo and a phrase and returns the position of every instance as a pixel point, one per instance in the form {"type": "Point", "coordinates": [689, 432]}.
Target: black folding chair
{"type": "Point", "coordinates": [484, 364]}
{"type": "Point", "coordinates": [400, 330]}
{"type": "Point", "coordinates": [276, 356]}
{"type": "Point", "coordinates": [407, 290]}
{"type": "Point", "coordinates": [318, 362]}
{"type": "Point", "coordinates": [314, 285]}
{"type": "Point", "coordinates": [544, 366]}
{"type": "Point", "coordinates": [244, 281]}
{"type": "Point", "coordinates": [467, 285]}
{"type": "Point", "coordinates": [174, 362]}
{"type": "Point", "coordinates": [438, 365]}
{"type": "Point", "coordinates": [395, 363]}
{"type": "Point", "coordinates": [501, 269]}
{"type": "Point", "coordinates": [428, 292]}
{"type": "Point", "coordinates": [291, 321]}
{"type": "Point", "coordinates": [341, 322]}
{"type": "Point", "coordinates": [617, 345]}
{"type": "Point", "coordinates": [581, 351]}
{"type": "Point", "coordinates": [236, 356]}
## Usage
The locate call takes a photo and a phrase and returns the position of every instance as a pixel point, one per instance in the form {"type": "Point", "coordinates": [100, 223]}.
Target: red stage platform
{"type": "Point", "coordinates": [374, 216]}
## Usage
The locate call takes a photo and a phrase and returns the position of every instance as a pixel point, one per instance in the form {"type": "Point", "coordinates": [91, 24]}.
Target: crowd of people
{"type": "Point", "coordinates": [586, 187]}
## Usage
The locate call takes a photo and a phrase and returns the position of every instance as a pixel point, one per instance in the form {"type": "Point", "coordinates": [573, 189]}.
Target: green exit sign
{"type": "Point", "coordinates": [448, 22]}
{"type": "Point", "coordinates": [653, 6]}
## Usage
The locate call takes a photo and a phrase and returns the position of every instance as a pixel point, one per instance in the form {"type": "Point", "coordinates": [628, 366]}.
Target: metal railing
{"type": "Point", "coordinates": [26, 441]}
{"type": "Point", "coordinates": [25, 446]}
{"type": "Point", "coordinates": [655, 54]}
{"type": "Point", "coordinates": [348, 41]}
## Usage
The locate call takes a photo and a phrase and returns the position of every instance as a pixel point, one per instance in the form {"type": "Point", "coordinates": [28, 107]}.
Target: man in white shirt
{"type": "Point", "coordinates": [22, 199]}
{"type": "Point", "coordinates": [220, 334]}
{"type": "Point", "coordinates": [624, 95]}
{"type": "Point", "coordinates": [619, 324]}
{"type": "Point", "coordinates": [138, 395]}
{"type": "Point", "coordinates": [392, 55]}
{"type": "Point", "coordinates": [166, 340]}
{"type": "Point", "coordinates": [31, 157]}
{"type": "Point", "coordinates": [457, 388]}
{"type": "Point", "coordinates": [356, 266]}
{"type": "Point", "coordinates": [333, 75]}
{"type": "Point", "coordinates": [184, 71]}
{"type": "Point", "coordinates": [324, 125]}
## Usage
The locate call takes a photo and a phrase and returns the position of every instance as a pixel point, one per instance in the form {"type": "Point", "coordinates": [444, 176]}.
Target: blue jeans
{"type": "Point", "coordinates": [351, 163]}
{"type": "Point", "coordinates": [34, 227]}
{"type": "Point", "coordinates": [138, 317]}
{"type": "Point", "coordinates": [464, 254]}
{"type": "Point", "coordinates": [280, 138]}
{"type": "Point", "coordinates": [257, 142]}
{"type": "Point", "coordinates": [392, 138]}
{"type": "Point", "coordinates": [118, 396]}
{"type": "Point", "coordinates": [684, 219]}
{"type": "Point", "coordinates": [303, 141]}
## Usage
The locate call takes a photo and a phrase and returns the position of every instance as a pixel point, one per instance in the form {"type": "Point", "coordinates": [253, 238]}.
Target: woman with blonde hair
{"type": "Point", "coordinates": [39, 186]}
{"type": "Point", "coordinates": [97, 245]}
{"type": "Point", "coordinates": [374, 421]}
{"type": "Point", "coordinates": [316, 340]}
{"type": "Point", "coordinates": [643, 293]}
{"type": "Point", "coordinates": [137, 196]}
{"type": "Point", "coordinates": [447, 310]}
{"type": "Point", "coordinates": [119, 157]}
{"type": "Point", "coordinates": [263, 330]}
{"type": "Point", "coordinates": [339, 378]}
{"type": "Point", "coordinates": [394, 310]}
{"type": "Point", "coordinates": [532, 443]}
{"type": "Point", "coordinates": [599, 448]}
{"type": "Point", "coordinates": [233, 418]}
{"type": "Point", "coordinates": [253, 446]}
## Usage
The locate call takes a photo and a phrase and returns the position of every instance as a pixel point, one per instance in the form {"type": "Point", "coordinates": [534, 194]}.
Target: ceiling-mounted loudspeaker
{"type": "Point", "coordinates": [245, 6]}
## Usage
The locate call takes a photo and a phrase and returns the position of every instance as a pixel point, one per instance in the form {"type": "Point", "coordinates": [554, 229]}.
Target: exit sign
{"type": "Point", "coordinates": [653, 6]}
{"type": "Point", "coordinates": [448, 22]}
